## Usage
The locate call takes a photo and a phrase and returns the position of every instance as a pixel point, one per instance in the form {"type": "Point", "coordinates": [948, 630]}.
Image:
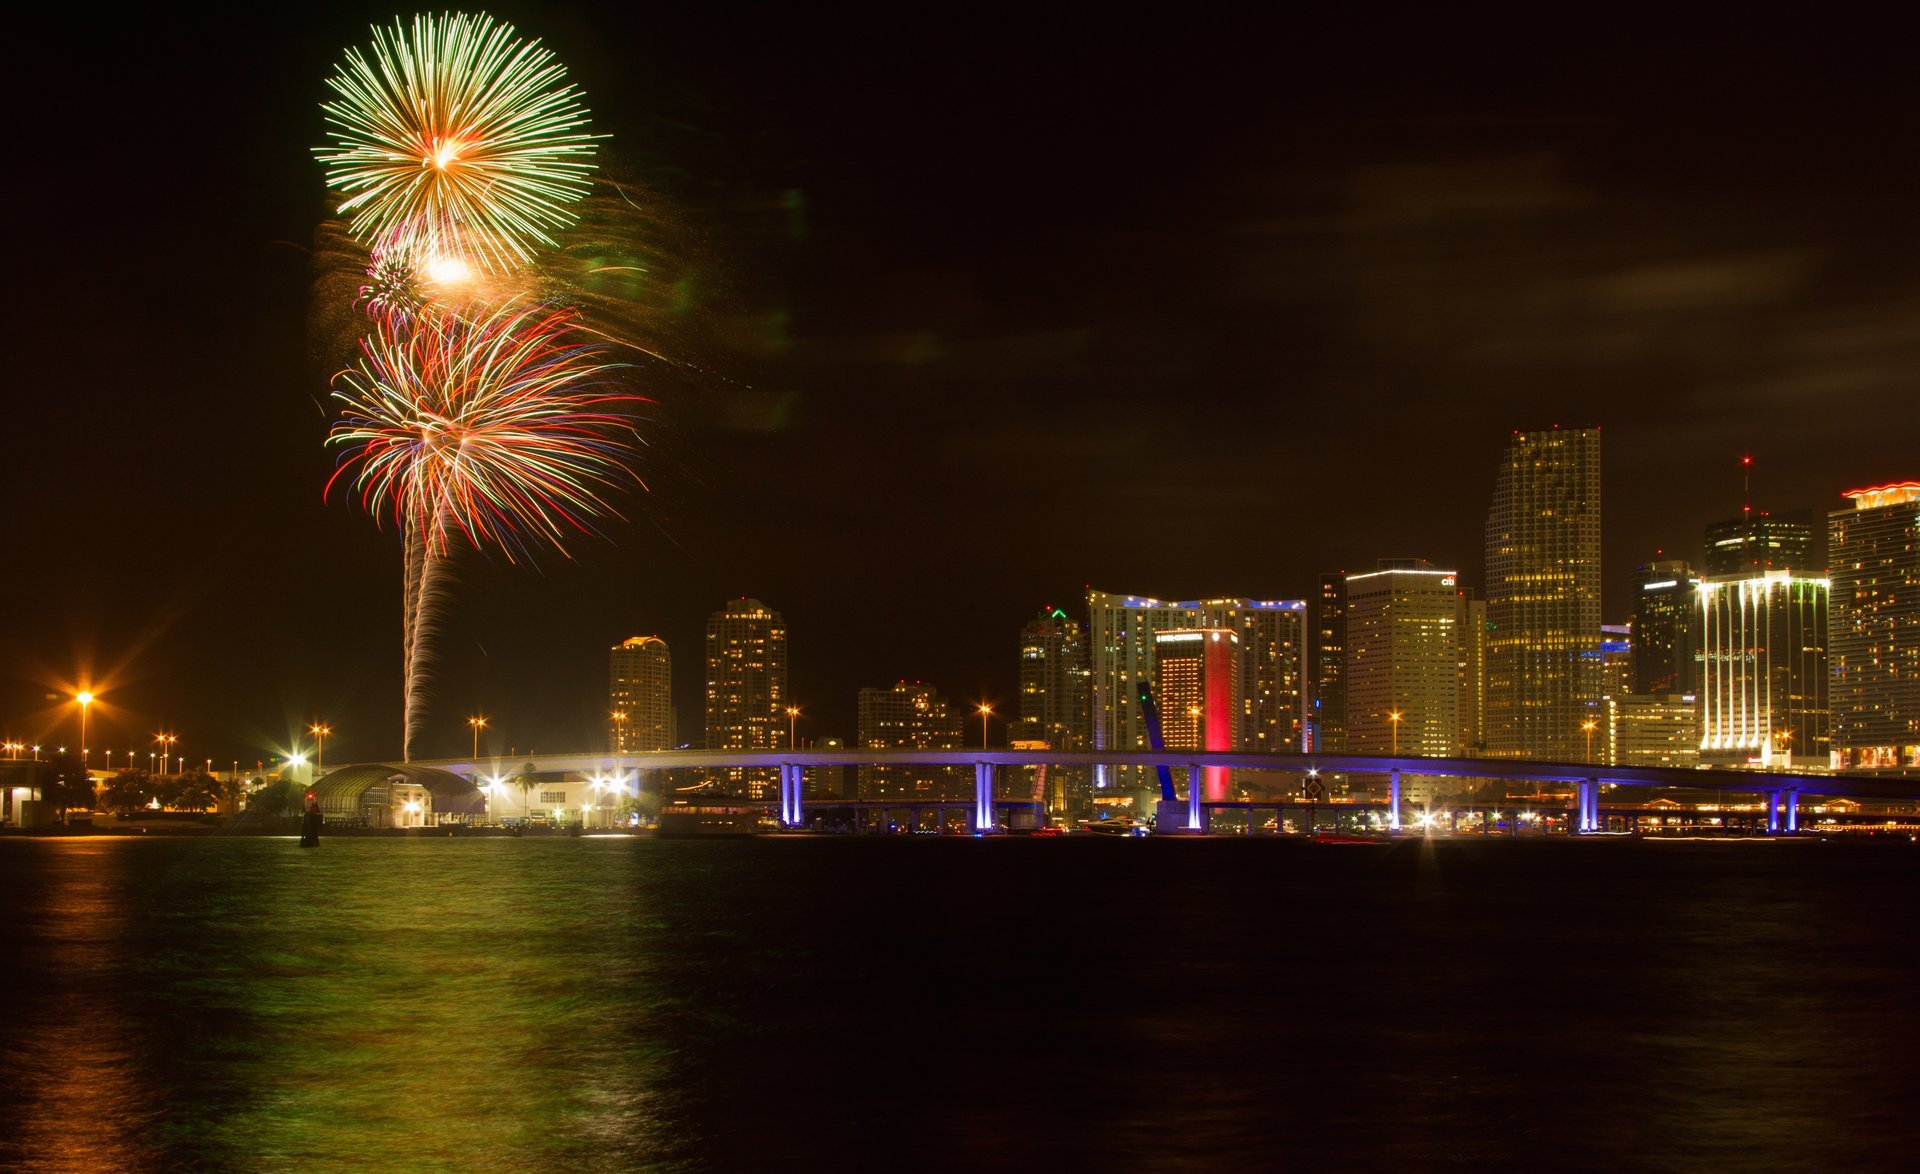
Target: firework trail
{"type": "Point", "coordinates": [457, 133]}
{"type": "Point", "coordinates": [495, 428]}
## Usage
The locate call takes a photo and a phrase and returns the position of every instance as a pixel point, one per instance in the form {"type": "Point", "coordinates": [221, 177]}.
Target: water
{"type": "Point", "coordinates": [606, 1003]}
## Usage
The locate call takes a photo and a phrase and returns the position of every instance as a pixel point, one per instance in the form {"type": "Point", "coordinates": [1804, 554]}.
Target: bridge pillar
{"type": "Point", "coordinates": [1393, 800]}
{"type": "Point", "coordinates": [1588, 819]}
{"type": "Point", "coordinates": [1196, 791]}
{"type": "Point", "coordinates": [983, 773]}
{"type": "Point", "coordinates": [1773, 811]}
{"type": "Point", "coordinates": [1793, 811]}
{"type": "Point", "coordinates": [789, 795]}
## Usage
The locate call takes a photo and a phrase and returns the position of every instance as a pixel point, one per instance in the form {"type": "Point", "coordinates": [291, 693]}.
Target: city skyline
{"type": "Point", "coordinates": [1325, 301]}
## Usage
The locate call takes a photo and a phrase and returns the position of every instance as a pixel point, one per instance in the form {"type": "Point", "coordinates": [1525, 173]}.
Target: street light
{"type": "Point", "coordinates": [166, 749]}
{"type": "Point", "coordinates": [1193, 711]}
{"type": "Point", "coordinates": [619, 719]}
{"type": "Point", "coordinates": [793, 716]}
{"type": "Point", "coordinates": [320, 730]}
{"type": "Point", "coordinates": [986, 711]}
{"type": "Point", "coordinates": [477, 723]}
{"type": "Point", "coordinates": [1589, 726]}
{"type": "Point", "coordinates": [85, 699]}
{"type": "Point", "coordinates": [1394, 717]}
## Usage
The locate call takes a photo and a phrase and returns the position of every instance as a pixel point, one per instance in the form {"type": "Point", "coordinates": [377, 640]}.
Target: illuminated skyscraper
{"type": "Point", "coordinates": [909, 716]}
{"type": "Point", "coordinates": [640, 695]}
{"type": "Point", "coordinates": [1403, 660]}
{"type": "Point", "coordinates": [1470, 627]}
{"type": "Point", "coordinates": [1272, 635]}
{"type": "Point", "coordinates": [1757, 541]}
{"type": "Point", "coordinates": [1763, 698]}
{"type": "Point", "coordinates": [1327, 712]}
{"type": "Point", "coordinates": [1616, 660]}
{"type": "Point", "coordinates": [747, 688]}
{"type": "Point", "coordinates": [1666, 637]}
{"type": "Point", "coordinates": [1874, 551]}
{"type": "Point", "coordinates": [1543, 596]}
{"type": "Point", "coordinates": [1055, 693]}
{"type": "Point", "coordinates": [1653, 729]}
{"type": "Point", "coordinates": [1196, 684]}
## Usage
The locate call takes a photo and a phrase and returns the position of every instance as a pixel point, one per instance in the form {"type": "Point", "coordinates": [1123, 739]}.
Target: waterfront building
{"type": "Point", "coordinates": [1666, 645]}
{"type": "Point", "coordinates": [1056, 689]}
{"type": "Point", "coordinates": [825, 782]}
{"type": "Point", "coordinates": [1327, 622]}
{"type": "Point", "coordinates": [1653, 729]}
{"type": "Point", "coordinates": [1403, 660]}
{"type": "Point", "coordinates": [1763, 699]}
{"type": "Point", "coordinates": [640, 695]}
{"type": "Point", "coordinates": [1616, 660]}
{"type": "Point", "coordinates": [1543, 596]}
{"type": "Point", "coordinates": [909, 716]}
{"type": "Point", "coordinates": [1873, 550]}
{"type": "Point", "coordinates": [747, 690]}
{"type": "Point", "coordinates": [1196, 684]}
{"type": "Point", "coordinates": [1122, 630]}
{"type": "Point", "coordinates": [1470, 627]}
{"type": "Point", "coordinates": [1760, 541]}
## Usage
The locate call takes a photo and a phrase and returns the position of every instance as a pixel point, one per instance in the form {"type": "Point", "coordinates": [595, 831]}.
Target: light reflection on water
{"type": "Point", "coordinates": [441, 1003]}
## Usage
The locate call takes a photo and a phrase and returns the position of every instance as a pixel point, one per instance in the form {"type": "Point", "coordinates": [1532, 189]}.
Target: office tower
{"type": "Point", "coordinates": [747, 689]}
{"type": "Point", "coordinates": [1122, 627]}
{"type": "Point", "coordinates": [909, 716]}
{"type": "Point", "coordinates": [1759, 541]}
{"type": "Point", "coordinates": [1666, 641]}
{"type": "Point", "coordinates": [1055, 693]}
{"type": "Point", "coordinates": [1470, 626]}
{"type": "Point", "coordinates": [1874, 638]}
{"type": "Point", "coordinates": [826, 782]}
{"type": "Point", "coordinates": [1196, 685]}
{"type": "Point", "coordinates": [1543, 596]}
{"type": "Point", "coordinates": [1616, 660]}
{"type": "Point", "coordinates": [1327, 713]}
{"type": "Point", "coordinates": [1653, 729]}
{"type": "Point", "coordinates": [1763, 699]}
{"type": "Point", "coordinates": [640, 695]}
{"type": "Point", "coordinates": [1403, 660]}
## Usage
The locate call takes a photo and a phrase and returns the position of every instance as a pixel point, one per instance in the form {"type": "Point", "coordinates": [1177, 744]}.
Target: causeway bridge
{"type": "Point", "coordinates": [1780, 791]}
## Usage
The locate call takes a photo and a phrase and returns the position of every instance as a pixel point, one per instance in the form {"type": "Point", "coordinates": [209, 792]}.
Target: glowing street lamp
{"type": "Point", "coordinates": [320, 730]}
{"type": "Point", "coordinates": [619, 719]}
{"type": "Point", "coordinates": [986, 711]}
{"type": "Point", "coordinates": [166, 749]}
{"type": "Point", "coordinates": [1393, 716]}
{"type": "Point", "coordinates": [85, 698]}
{"type": "Point", "coordinates": [793, 716]}
{"type": "Point", "coordinates": [1589, 726]}
{"type": "Point", "coordinates": [476, 723]}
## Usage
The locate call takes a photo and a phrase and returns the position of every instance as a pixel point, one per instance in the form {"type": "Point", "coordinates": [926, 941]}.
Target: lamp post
{"type": "Point", "coordinates": [1393, 716]}
{"type": "Point", "coordinates": [166, 745]}
{"type": "Point", "coordinates": [793, 717]}
{"type": "Point", "coordinates": [476, 723]}
{"type": "Point", "coordinates": [986, 711]}
{"type": "Point", "coordinates": [1589, 726]}
{"type": "Point", "coordinates": [85, 698]}
{"type": "Point", "coordinates": [320, 730]}
{"type": "Point", "coordinates": [619, 719]}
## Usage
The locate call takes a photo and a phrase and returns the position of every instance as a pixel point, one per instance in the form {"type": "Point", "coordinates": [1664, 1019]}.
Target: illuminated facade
{"type": "Point", "coordinates": [1196, 684]}
{"type": "Point", "coordinates": [1056, 690]}
{"type": "Point", "coordinates": [1666, 644]}
{"type": "Point", "coordinates": [1874, 551]}
{"type": "Point", "coordinates": [747, 689]}
{"type": "Point", "coordinates": [1403, 658]}
{"type": "Point", "coordinates": [1543, 596]}
{"type": "Point", "coordinates": [1470, 627]}
{"type": "Point", "coordinates": [1327, 710]}
{"type": "Point", "coordinates": [640, 695]}
{"type": "Point", "coordinates": [1760, 542]}
{"type": "Point", "coordinates": [1653, 729]}
{"type": "Point", "coordinates": [1272, 694]}
{"type": "Point", "coordinates": [1616, 660]}
{"type": "Point", "coordinates": [1763, 699]}
{"type": "Point", "coordinates": [909, 716]}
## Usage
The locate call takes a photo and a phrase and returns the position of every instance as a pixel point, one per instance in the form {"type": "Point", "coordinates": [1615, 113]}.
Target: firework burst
{"type": "Point", "coordinates": [457, 130]}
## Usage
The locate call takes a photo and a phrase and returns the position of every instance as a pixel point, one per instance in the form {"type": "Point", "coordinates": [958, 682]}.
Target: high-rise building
{"type": "Point", "coordinates": [1763, 699]}
{"type": "Point", "coordinates": [1196, 685]}
{"type": "Point", "coordinates": [1272, 636]}
{"type": "Point", "coordinates": [1758, 541]}
{"type": "Point", "coordinates": [1470, 626]}
{"type": "Point", "coordinates": [747, 688]}
{"type": "Point", "coordinates": [1874, 634]}
{"type": "Point", "coordinates": [909, 716]}
{"type": "Point", "coordinates": [1543, 596]}
{"type": "Point", "coordinates": [1666, 640]}
{"type": "Point", "coordinates": [1327, 711]}
{"type": "Point", "coordinates": [1653, 729]}
{"type": "Point", "coordinates": [1616, 660]}
{"type": "Point", "coordinates": [1403, 660]}
{"type": "Point", "coordinates": [1055, 693]}
{"type": "Point", "coordinates": [640, 695]}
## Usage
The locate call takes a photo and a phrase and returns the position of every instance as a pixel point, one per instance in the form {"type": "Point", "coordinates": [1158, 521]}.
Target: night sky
{"type": "Point", "coordinates": [981, 305]}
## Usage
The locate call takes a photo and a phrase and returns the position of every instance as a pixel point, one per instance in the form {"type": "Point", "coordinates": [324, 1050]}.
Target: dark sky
{"type": "Point", "coordinates": [987, 305]}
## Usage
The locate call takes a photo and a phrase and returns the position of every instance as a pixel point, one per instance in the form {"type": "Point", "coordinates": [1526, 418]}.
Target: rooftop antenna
{"type": "Point", "coordinates": [1746, 485]}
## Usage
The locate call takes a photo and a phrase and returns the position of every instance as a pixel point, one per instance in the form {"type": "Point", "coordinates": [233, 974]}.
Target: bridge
{"type": "Point", "coordinates": [1779, 790]}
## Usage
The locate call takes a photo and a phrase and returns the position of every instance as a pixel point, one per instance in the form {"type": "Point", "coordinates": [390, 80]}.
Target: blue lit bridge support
{"type": "Point", "coordinates": [1588, 818]}
{"type": "Point", "coordinates": [791, 774]}
{"type": "Point", "coordinates": [1793, 811]}
{"type": "Point", "coordinates": [1773, 811]}
{"type": "Point", "coordinates": [983, 773]}
{"type": "Point", "coordinates": [1196, 793]}
{"type": "Point", "coordinates": [1393, 800]}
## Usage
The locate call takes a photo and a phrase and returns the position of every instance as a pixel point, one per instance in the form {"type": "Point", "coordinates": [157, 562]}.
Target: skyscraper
{"type": "Point", "coordinates": [1759, 541]}
{"type": "Point", "coordinates": [1874, 552]}
{"type": "Point", "coordinates": [747, 688]}
{"type": "Point", "coordinates": [1327, 713]}
{"type": "Point", "coordinates": [640, 695]}
{"type": "Point", "coordinates": [1196, 685]}
{"type": "Point", "coordinates": [1055, 693]}
{"type": "Point", "coordinates": [1763, 698]}
{"type": "Point", "coordinates": [1543, 596]}
{"type": "Point", "coordinates": [1470, 627]}
{"type": "Point", "coordinates": [909, 716]}
{"type": "Point", "coordinates": [1666, 638]}
{"type": "Point", "coordinates": [1403, 660]}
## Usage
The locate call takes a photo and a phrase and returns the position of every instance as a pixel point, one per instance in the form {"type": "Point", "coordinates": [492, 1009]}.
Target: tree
{"type": "Point", "coordinates": [69, 785]}
{"type": "Point", "coordinates": [526, 778]}
{"type": "Point", "coordinates": [276, 797]}
{"type": "Point", "coordinates": [128, 791]}
{"type": "Point", "coordinates": [195, 791]}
